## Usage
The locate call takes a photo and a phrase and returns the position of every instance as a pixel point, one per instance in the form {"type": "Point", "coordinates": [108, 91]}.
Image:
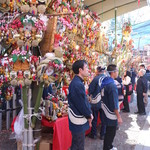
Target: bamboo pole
{"type": "Point", "coordinates": [37, 105]}
{"type": "Point", "coordinates": [30, 131]}
{"type": "Point", "coordinates": [0, 119]}
{"type": "Point", "coordinates": [7, 115]}
{"type": "Point", "coordinates": [25, 107]}
{"type": "Point", "coordinates": [14, 104]}
{"type": "Point", "coordinates": [115, 27]}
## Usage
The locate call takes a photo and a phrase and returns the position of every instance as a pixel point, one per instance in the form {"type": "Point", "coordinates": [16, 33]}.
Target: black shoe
{"type": "Point", "coordinates": [92, 136]}
{"type": "Point", "coordinates": [101, 137]}
{"type": "Point", "coordinates": [142, 114]}
{"type": "Point", "coordinates": [125, 111]}
{"type": "Point", "coordinates": [136, 112]}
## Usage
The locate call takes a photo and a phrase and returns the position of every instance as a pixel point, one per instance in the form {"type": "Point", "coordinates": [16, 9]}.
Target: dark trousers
{"type": "Point", "coordinates": [140, 103]}
{"type": "Point", "coordinates": [132, 95]}
{"type": "Point", "coordinates": [126, 103]}
{"type": "Point", "coordinates": [94, 123]}
{"type": "Point", "coordinates": [109, 137]}
{"type": "Point", "coordinates": [78, 141]}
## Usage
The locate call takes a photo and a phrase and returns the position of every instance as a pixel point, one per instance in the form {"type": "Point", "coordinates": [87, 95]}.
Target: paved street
{"type": "Point", "coordinates": [134, 134]}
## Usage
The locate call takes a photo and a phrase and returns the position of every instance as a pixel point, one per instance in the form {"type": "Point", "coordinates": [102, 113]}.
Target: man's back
{"type": "Point", "coordinates": [109, 101]}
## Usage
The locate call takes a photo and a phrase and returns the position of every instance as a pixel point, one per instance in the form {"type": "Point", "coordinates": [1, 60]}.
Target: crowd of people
{"type": "Point", "coordinates": [106, 92]}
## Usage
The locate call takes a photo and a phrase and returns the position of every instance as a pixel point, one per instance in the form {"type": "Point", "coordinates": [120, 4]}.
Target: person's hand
{"type": "Point", "coordinates": [90, 99]}
{"type": "Point", "coordinates": [90, 120]}
{"type": "Point", "coordinates": [120, 120]}
{"type": "Point", "coordinates": [144, 94]}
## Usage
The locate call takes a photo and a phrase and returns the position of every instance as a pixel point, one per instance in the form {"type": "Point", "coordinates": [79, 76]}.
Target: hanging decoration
{"type": "Point", "coordinates": [27, 30]}
{"type": "Point", "coordinates": [125, 48]}
{"type": "Point", "coordinates": [77, 35]}
{"type": "Point", "coordinates": [33, 6]}
{"type": "Point", "coordinates": [76, 38]}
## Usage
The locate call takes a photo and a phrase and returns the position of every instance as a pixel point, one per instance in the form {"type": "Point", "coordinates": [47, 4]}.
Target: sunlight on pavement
{"type": "Point", "coordinates": [134, 125]}
{"type": "Point", "coordinates": [144, 136]}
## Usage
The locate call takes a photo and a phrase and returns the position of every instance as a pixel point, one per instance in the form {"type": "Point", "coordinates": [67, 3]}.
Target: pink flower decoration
{"type": "Point", "coordinates": [23, 52]}
{"type": "Point", "coordinates": [15, 52]}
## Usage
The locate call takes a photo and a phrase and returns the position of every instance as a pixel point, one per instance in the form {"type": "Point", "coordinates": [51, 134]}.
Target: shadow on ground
{"type": "Point", "coordinates": [127, 136]}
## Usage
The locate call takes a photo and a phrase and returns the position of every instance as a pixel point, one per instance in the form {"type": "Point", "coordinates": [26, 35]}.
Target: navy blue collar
{"type": "Point", "coordinates": [80, 78]}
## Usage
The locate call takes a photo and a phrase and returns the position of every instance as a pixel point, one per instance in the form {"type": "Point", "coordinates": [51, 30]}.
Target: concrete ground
{"type": "Point", "coordinates": [134, 133]}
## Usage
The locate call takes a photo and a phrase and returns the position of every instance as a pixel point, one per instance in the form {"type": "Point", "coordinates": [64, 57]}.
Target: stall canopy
{"type": "Point", "coordinates": [105, 8]}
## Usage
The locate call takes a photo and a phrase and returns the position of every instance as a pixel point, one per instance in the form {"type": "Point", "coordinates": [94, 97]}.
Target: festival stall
{"type": "Point", "coordinates": [39, 42]}
{"type": "Point", "coordinates": [23, 34]}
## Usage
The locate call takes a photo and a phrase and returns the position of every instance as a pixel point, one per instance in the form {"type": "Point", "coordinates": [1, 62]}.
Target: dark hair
{"type": "Point", "coordinates": [128, 73]}
{"type": "Point", "coordinates": [142, 65]}
{"type": "Point", "coordinates": [77, 65]}
{"type": "Point", "coordinates": [111, 68]}
{"type": "Point", "coordinates": [100, 69]}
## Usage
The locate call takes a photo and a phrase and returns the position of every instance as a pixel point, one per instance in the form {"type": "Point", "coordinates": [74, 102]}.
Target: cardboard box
{"type": "Point", "coordinates": [45, 144]}
{"type": "Point", "coordinates": [19, 145]}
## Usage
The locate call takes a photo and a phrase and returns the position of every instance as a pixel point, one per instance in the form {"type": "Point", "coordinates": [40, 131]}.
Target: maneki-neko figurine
{"type": "Point", "coordinates": [42, 6]}
{"type": "Point", "coordinates": [33, 6]}
{"type": "Point", "coordinates": [25, 8]}
{"type": "Point", "coordinates": [27, 76]}
{"type": "Point", "coordinates": [13, 76]}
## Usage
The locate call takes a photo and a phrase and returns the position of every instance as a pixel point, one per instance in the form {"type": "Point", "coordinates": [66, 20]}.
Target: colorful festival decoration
{"type": "Point", "coordinates": [75, 38]}
{"type": "Point", "coordinates": [77, 35]}
{"type": "Point", "coordinates": [122, 54]}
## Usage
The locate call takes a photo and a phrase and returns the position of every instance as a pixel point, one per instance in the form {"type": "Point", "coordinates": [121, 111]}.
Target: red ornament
{"type": "Point", "coordinates": [20, 86]}
{"type": "Point", "coordinates": [138, 2]}
{"type": "Point", "coordinates": [27, 47]}
{"type": "Point", "coordinates": [33, 76]}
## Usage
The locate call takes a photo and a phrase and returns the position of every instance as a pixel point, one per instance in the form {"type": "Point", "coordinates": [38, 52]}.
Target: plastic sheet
{"type": "Point", "coordinates": [19, 126]}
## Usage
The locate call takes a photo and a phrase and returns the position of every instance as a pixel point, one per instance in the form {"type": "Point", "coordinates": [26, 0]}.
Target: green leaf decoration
{"type": "Point", "coordinates": [27, 56]}
{"type": "Point", "coordinates": [31, 21]}
{"type": "Point", "coordinates": [20, 57]}
{"type": "Point", "coordinates": [56, 61]}
{"type": "Point", "coordinates": [14, 58]}
{"type": "Point", "coordinates": [23, 59]}
{"type": "Point", "coordinates": [63, 3]}
{"type": "Point", "coordinates": [22, 18]}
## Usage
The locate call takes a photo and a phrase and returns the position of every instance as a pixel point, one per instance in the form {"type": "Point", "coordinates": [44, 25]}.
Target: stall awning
{"type": "Point", "coordinates": [105, 8]}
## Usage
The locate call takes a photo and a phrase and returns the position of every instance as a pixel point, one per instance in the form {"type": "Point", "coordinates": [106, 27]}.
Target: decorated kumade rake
{"type": "Point", "coordinates": [28, 30]}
